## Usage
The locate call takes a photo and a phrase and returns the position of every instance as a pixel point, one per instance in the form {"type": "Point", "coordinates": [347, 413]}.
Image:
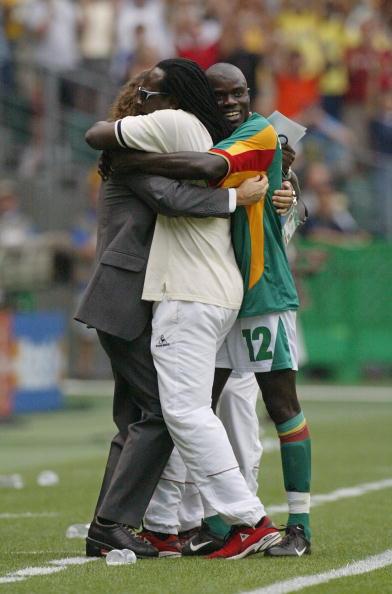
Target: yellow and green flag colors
{"type": "Point", "coordinates": [254, 149]}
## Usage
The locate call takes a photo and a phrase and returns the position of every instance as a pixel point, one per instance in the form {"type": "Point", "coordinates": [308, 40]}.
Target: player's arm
{"type": "Point", "coordinates": [102, 136]}
{"type": "Point", "coordinates": [190, 165]}
{"type": "Point", "coordinates": [153, 133]}
{"type": "Point", "coordinates": [183, 165]}
{"type": "Point", "coordinates": [175, 198]}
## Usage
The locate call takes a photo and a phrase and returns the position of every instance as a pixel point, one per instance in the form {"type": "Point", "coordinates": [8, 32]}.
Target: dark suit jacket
{"type": "Point", "coordinates": [126, 219]}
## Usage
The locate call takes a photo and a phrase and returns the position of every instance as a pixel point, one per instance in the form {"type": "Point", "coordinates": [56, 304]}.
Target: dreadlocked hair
{"type": "Point", "coordinates": [125, 102]}
{"type": "Point", "coordinates": [187, 82]}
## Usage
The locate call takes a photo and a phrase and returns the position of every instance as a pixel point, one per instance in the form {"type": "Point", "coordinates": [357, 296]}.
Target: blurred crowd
{"type": "Point", "coordinates": [324, 63]}
{"type": "Point", "coordinates": [310, 59]}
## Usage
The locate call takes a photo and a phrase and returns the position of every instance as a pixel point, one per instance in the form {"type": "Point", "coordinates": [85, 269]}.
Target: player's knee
{"type": "Point", "coordinates": [283, 409]}
{"type": "Point", "coordinates": [279, 394]}
{"type": "Point", "coordinates": [186, 419]}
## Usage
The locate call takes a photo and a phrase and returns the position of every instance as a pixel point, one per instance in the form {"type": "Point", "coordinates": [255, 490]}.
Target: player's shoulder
{"type": "Point", "coordinates": [259, 123]}
{"type": "Point", "coordinates": [256, 129]}
{"type": "Point", "coordinates": [173, 115]}
{"type": "Point", "coordinates": [261, 129]}
{"type": "Point", "coordinates": [173, 120]}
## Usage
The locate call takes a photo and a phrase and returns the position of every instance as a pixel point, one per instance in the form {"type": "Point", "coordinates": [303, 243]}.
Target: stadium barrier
{"type": "Point", "coordinates": [347, 323]}
{"type": "Point", "coordinates": [32, 361]}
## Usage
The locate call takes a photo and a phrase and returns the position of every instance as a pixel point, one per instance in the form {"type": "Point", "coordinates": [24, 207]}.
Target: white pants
{"type": "Point", "coordinates": [237, 411]}
{"type": "Point", "coordinates": [185, 340]}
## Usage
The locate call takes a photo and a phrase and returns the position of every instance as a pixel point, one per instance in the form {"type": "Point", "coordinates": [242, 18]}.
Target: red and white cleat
{"type": "Point", "coordinates": [245, 540]}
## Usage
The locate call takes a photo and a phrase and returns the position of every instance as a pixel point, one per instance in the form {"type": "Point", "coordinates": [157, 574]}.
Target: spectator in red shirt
{"type": "Point", "coordinates": [295, 92]}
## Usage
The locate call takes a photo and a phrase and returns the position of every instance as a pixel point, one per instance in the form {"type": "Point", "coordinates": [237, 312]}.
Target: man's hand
{"type": "Point", "coordinates": [105, 168]}
{"type": "Point", "coordinates": [288, 156]}
{"type": "Point", "coordinates": [252, 190]}
{"type": "Point", "coordinates": [284, 198]}
{"type": "Point", "coordinates": [119, 160]}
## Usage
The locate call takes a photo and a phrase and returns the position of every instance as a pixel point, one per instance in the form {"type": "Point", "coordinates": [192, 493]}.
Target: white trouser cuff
{"type": "Point", "coordinates": [148, 525]}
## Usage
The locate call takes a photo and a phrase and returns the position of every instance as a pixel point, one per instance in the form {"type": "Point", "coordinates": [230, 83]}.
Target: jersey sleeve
{"type": "Point", "coordinates": [248, 152]}
{"type": "Point", "coordinates": [155, 132]}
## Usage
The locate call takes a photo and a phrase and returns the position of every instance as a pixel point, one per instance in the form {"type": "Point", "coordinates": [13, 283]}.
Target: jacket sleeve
{"type": "Point", "coordinates": [174, 198]}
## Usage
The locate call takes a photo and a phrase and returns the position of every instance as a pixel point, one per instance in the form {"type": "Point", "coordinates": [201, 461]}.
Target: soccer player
{"type": "Point", "coordinates": [263, 339]}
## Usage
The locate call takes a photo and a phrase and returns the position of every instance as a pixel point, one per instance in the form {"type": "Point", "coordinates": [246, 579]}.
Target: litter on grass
{"type": "Point", "coordinates": [11, 481]}
{"type": "Point", "coordinates": [77, 531]}
{"type": "Point", "coordinates": [120, 557]}
{"type": "Point", "coordinates": [48, 478]}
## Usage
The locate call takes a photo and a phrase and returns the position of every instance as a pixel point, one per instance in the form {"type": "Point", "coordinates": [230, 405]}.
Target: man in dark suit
{"type": "Point", "coordinates": [112, 304]}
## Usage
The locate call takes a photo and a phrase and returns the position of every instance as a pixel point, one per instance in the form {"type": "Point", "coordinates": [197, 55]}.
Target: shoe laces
{"type": "Point", "coordinates": [292, 530]}
{"type": "Point", "coordinates": [134, 533]}
{"type": "Point", "coordinates": [234, 530]}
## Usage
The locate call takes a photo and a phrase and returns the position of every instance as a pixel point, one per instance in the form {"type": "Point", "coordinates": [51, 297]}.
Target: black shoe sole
{"type": "Point", "coordinates": [95, 548]}
{"type": "Point", "coordinates": [285, 554]}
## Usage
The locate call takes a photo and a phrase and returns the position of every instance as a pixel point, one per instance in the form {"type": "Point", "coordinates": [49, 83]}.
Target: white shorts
{"type": "Point", "coordinates": [261, 344]}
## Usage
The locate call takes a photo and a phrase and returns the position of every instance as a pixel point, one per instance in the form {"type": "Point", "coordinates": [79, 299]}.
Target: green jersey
{"type": "Point", "coordinates": [251, 150]}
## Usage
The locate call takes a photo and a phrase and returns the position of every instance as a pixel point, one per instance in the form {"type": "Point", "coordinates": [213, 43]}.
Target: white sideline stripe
{"type": "Point", "coordinates": [377, 398]}
{"type": "Point", "coordinates": [33, 571]}
{"type": "Point", "coordinates": [355, 568]}
{"type": "Point", "coordinates": [331, 393]}
{"type": "Point", "coordinates": [311, 392]}
{"type": "Point", "coordinates": [14, 516]}
{"type": "Point", "coordinates": [344, 493]}
{"type": "Point", "coordinates": [38, 552]}
{"type": "Point", "coordinates": [59, 565]}
{"type": "Point", "coordinates": [72, 561]}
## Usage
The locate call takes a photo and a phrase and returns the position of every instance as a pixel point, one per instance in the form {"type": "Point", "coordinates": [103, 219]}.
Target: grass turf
{"type": "Point", "coordinates": [351, 445]}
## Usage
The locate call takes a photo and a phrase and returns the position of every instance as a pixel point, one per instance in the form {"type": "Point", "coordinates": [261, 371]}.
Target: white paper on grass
{"type": "Point", "coordinates": [283, 125]}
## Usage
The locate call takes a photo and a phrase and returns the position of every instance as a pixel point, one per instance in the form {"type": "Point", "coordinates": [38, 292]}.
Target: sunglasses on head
{"type": "Point", "coordinates": [144, 94]}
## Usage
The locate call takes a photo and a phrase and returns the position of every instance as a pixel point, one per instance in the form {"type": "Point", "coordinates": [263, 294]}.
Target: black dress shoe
{"type": "Point", "coordinates": [103, 538]}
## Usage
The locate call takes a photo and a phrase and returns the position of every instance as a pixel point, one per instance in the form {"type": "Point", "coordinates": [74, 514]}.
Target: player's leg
{"type": "Point", "coordinates": [280, 397]}
{"type": "Point", "coordinates": [191, 510]}
{"type": "Point", "coordinates": [213, 527]}
{"type": "Point", "coordinates": [220, 379]}
{"type": "Point", "coordinates": [185, 367]}
{"type": "Point", "coordinates": [161, 520]}
{"type": "Point", "coordinates": [237, 411]}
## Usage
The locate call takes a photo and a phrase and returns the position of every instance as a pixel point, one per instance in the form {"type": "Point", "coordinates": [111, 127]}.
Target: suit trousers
{"type": "Point", "coordinates": [142, 446]}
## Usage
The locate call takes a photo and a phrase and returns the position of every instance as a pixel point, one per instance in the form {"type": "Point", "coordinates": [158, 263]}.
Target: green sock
{"type": "Point", "coordinates": [303, 519]}
{"type": "Point", "coordinates": [295, 449]}
{"type": "Point", "coordinates": [217, 525]}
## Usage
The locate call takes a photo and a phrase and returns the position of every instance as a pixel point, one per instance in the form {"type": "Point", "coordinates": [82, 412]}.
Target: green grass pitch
{"type": "Point", "coordinates": [351, 445]}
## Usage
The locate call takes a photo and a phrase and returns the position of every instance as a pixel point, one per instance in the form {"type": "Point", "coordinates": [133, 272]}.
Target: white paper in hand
{"type": "Point", "coordinates": [283, 125]}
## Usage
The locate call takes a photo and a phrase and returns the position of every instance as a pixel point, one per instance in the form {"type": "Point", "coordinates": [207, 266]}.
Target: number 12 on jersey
{"type": "Point", "coordinates": [250, 337]}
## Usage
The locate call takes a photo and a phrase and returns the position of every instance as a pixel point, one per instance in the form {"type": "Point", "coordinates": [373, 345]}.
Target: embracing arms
{"type": "Point", "coordinates": [174, 198]}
